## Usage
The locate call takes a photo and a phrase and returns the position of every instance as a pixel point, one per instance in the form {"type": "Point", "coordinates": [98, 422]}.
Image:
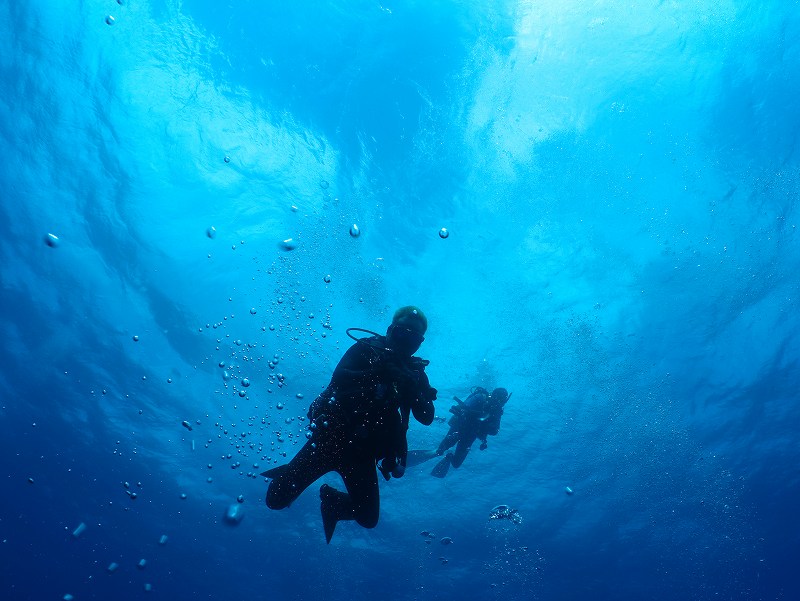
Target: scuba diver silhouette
{"type": "Point", "coordinates": [359, 422]}
{"type": "Point", "coordinates": [476, 418]}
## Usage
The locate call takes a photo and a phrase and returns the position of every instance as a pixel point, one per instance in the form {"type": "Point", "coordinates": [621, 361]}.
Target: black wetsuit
{"type": "Point", "coordinates": [476, 418]}
{"type": "Point", "coordinates": [360, 419]}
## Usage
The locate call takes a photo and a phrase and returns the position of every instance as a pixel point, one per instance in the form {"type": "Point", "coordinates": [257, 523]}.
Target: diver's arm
{"type": "Point", "coordinates": [493, 423]}
{"type": "Point", "coordinates": [422, 403]}
{"type": "Point", "coordinates": [423, 411]}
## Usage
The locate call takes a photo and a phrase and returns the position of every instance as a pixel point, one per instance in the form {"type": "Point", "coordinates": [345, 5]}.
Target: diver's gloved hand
{"type": "Point", "coordinates": [391, 467]}
{"type": "Point", "coordinates": [385, 467]}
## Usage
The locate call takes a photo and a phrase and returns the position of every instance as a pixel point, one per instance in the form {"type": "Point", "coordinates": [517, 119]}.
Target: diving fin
{"type": "Point", "coordinates": [275, 472]}
{"type": "Point", "coordinates": [419, 457]}
{"type": "Point", "coordinates": [441, 469]}
{"type": "Point", "coordinates": [326, 506]}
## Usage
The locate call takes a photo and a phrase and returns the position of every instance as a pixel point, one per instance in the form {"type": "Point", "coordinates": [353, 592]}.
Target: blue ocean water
{"type": "Point", "coordinates": [620, 184]}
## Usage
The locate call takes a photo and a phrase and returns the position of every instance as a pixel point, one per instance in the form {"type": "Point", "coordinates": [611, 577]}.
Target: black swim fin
{"type": "Point", "coordinates": [275, 472]}
{"type": "Point", "coordinates": [419, 457]}
{"type": "Point", "coordinates": [328, 511]}
{"type": "Point", "coordinates": [441, 469]}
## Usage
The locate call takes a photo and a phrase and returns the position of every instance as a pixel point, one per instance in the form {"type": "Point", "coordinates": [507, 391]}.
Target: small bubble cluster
{"type": "Point", "coordinates": [504, 512]}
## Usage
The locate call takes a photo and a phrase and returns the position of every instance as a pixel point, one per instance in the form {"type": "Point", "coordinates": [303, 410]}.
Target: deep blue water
{"type": "Point", "coordinates": [620, 182]}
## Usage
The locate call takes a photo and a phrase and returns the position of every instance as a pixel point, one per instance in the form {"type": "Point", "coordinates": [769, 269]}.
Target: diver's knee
{"type": "Point", "coordinates": [274, 500]}
{"type": "Point", "coordinates": [367, 521]}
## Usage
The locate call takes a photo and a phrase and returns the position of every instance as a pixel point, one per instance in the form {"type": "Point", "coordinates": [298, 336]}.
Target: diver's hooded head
{"type": "Point", "coordinates": [500, 396]}
{"type": "Point", "coordinates": [407, 330]}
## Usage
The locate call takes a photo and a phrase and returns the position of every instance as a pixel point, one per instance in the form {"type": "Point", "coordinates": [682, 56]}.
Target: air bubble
{"type": "Point", "coordinates": [355, 232]}
{"type": "Point", "coordinates": [288, 244]}
{"type": "Point", "coordinates": [443, 233]}
{"type": "Point", "coordinates": [327, 279]}
{"type": "Point", "coordinates": [234, 515]}
{"type": "Point", "coordinates": [110, 20]}
{"type": "Point", "coordinates": [211, 232]}
{"type": "Point", "coordinates": [51, 240]}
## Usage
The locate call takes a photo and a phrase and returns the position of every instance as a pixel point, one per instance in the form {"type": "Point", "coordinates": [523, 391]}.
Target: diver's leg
{"type": "Point", "coordinates": [361, 502]}
{"type": "Point", "coordinates": [361, 481]}
{"type": "Point", "coordinates": [461, 451]}
{"type": "Point", "coordinates": [448, 441]}
{"type": "Point", "coordinates": [308, 465]}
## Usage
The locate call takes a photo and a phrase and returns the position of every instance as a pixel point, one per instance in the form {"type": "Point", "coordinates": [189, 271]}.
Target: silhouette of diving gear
{"type": "Point", "coordinates": [358, 423]}
{"type": "Point", "coordinates": [474, 419]}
